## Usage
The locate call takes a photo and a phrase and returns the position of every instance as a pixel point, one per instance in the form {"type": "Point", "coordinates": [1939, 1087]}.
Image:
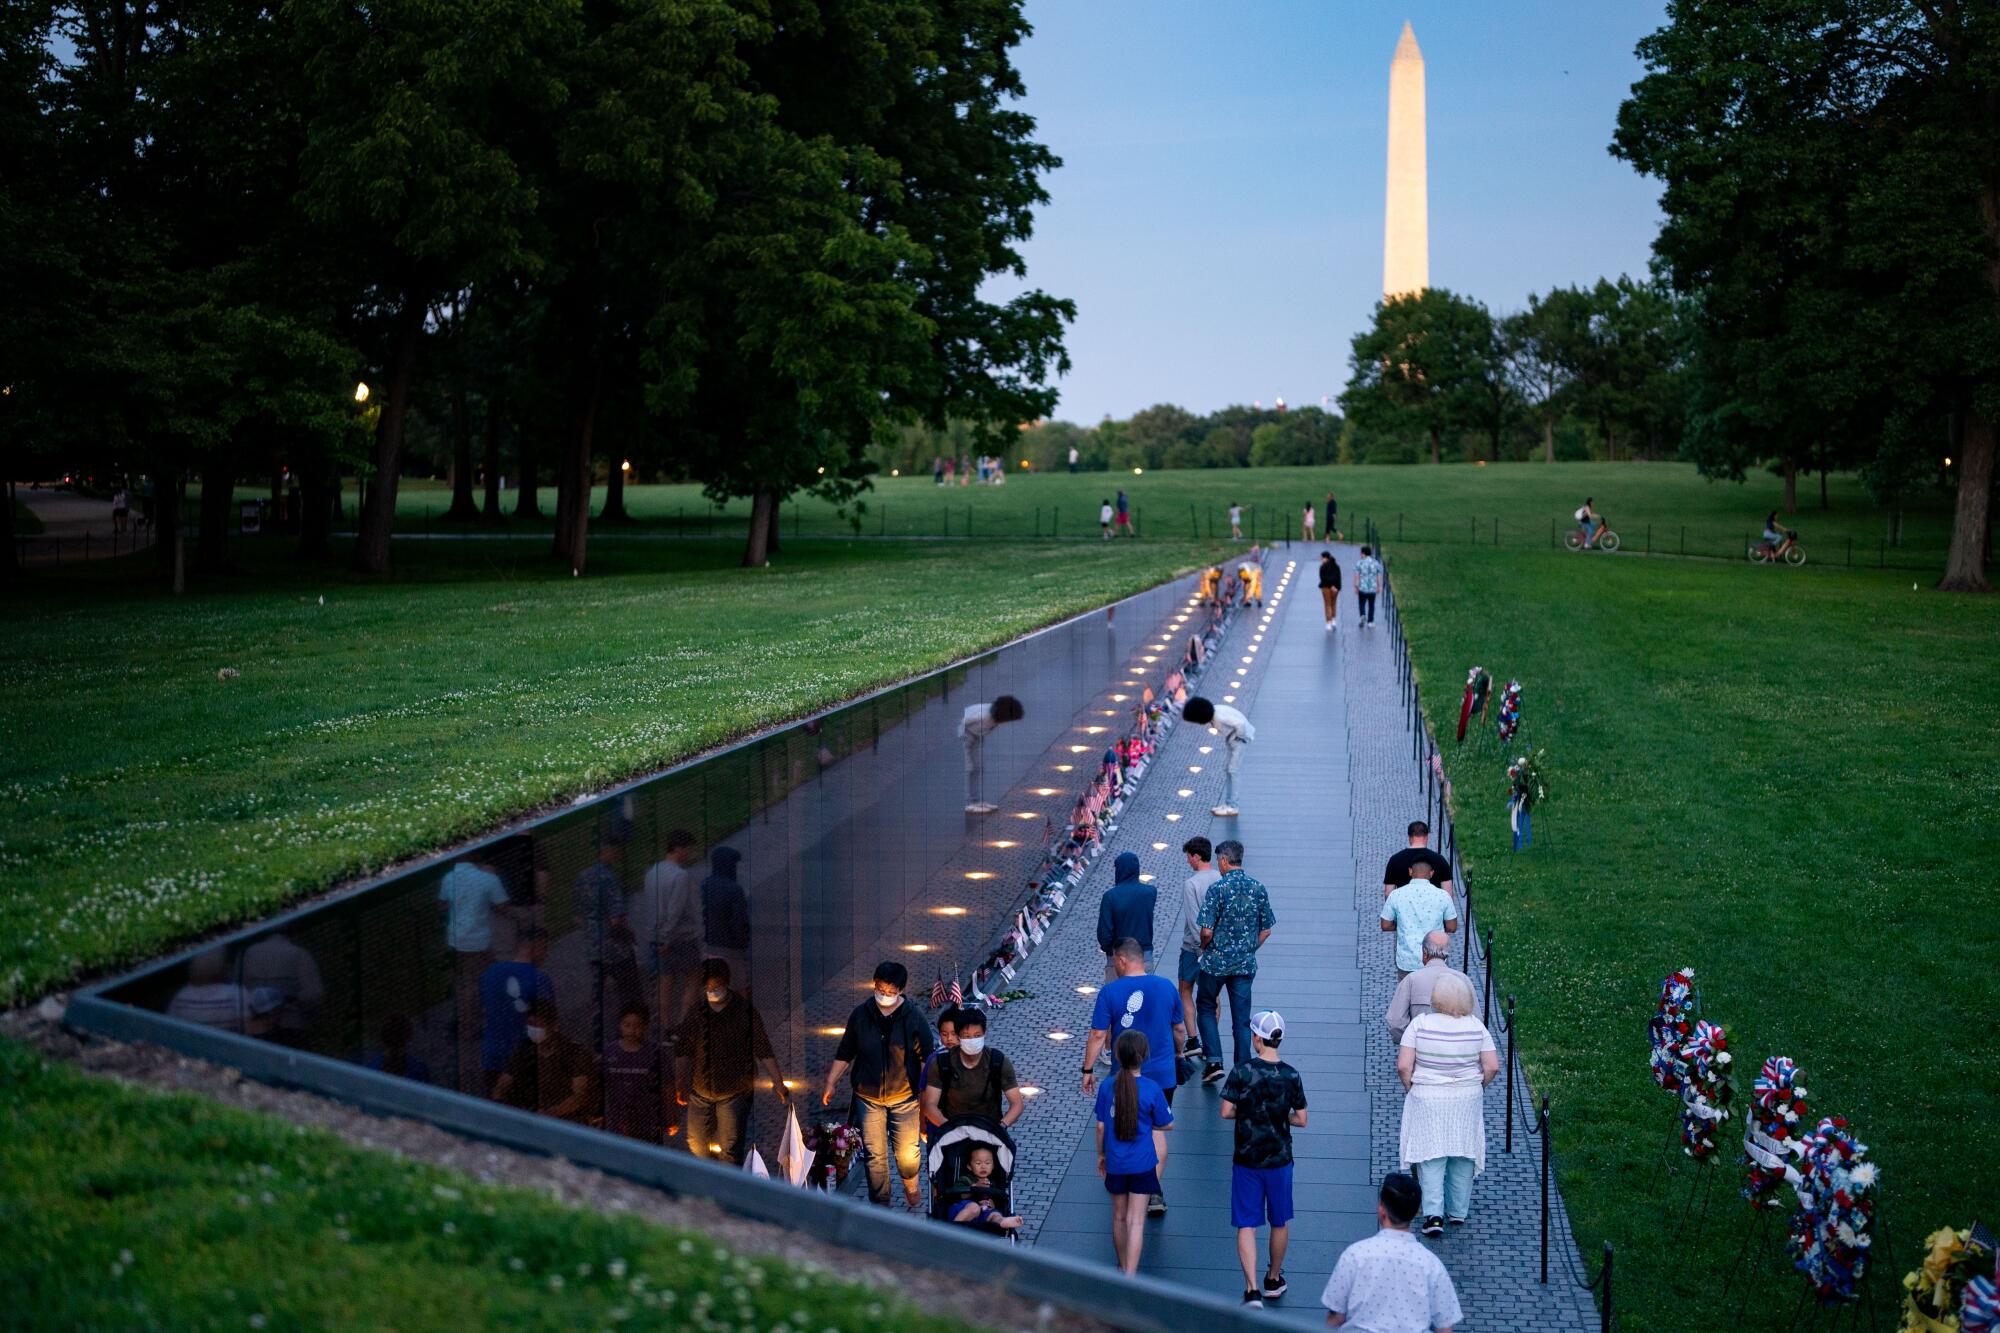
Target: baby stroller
{"type": "Point", "coordinates": [951, 1182]}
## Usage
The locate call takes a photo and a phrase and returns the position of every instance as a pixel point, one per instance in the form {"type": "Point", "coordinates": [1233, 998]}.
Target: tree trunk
{"type": "Point", "coordinates": [1548, 439]}
{"type": "Point", "coordinates": [1791, 486]}
{"type": "Point", "coordinates": [1965, 563]}
{"type": "Point", "coordinates": [318, 493]}
{"type": "Point", "coordinates": [378, 513]}
{"type": "Point", "coordinates": [1822, 479]}
{"type": "Point", "coordinates": [573, 476]}
{"type": "Point", "coordinates": [1436, 456]}
{"type": "Point", "coordinates": [614, 495]}
{"type": "Point", "coordinates": [218, 492]}
{"type": "Point", "coordinates": [772, 544]}
{"type": "Point", "coordinates": [756, 547]}
{"type": "Point", "coordinates": [491, 458]}
{"type": "Point", "coordinates": [462, 510]}
{"type": "Point", "coordinates": [527, 502]}
{"type": "Point", "coordinates": [169, 529]}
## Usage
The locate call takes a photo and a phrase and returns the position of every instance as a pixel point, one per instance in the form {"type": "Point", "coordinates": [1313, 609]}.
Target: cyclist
{"type": "Point", "coordinates": [1777, 537]}
{"type": "Point", "coordinates": [1592, 525]}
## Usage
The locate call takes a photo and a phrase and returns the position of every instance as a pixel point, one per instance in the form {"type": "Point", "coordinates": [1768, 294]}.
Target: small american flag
{"type": "Point", "coordinates": [957, 994]}
{"type": "Point", "coordinates": [938, 992]}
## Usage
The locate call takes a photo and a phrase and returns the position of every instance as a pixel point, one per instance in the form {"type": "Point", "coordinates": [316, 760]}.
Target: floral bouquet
{"type": "Point", "coordinates": [1952, 1291]}
{"type": "Point", "coordinates": [1707, 1089]}
{"type": "Point", "coordinates": [1510, 710]}
{"type": "Point", "coordinates": [833, 1144]}
{"type": "Point", "coordinates": [1672, 1020]}
{"type": "Point", "coordinates": [1777, 1105]}
{"type": "Point", "coordinates": [1478, 685]}
{"type": "Point", "coordinates": [1525, 790]}
{"type": "Point", "coordinates": [1830, 1231]}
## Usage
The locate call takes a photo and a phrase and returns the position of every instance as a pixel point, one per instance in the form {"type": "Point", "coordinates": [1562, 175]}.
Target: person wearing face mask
{"type": "Point", "coordinates": [973, 1080]}
{"type": "Point", "coordinates": [882, 1052]}
{"type": "Point", "coordinates": [718, 1050]}
{"type": "Point", "coordinates": [548, 1072]}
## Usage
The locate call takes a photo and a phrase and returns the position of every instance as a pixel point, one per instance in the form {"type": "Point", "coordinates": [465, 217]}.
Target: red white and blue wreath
{"type": "Point", "coordinates": [1706, 1090]}
{"type": "Point", "coordinates": [1832, 1227]}
{"type": "Point", "coordinates": [1773, 1137]}
{"type": "Point", "coordinates": [1672, 1021]}
{"type": "Point", "coordinates": [1510, 710]}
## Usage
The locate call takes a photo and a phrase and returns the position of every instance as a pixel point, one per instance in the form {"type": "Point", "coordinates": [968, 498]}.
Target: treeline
{"type": "Point", "coordinates": [736, 241]}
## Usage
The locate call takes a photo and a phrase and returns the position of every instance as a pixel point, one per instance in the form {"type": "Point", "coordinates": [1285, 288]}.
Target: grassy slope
{"type": "Point", "coordinates": [1782, 779]}
{"type": "Point", "coordinates": [143, 798]}
{"type": "Point", "coordinates": [1435, 505]}
{"type": "Point", "coordinates": [128, 1209]}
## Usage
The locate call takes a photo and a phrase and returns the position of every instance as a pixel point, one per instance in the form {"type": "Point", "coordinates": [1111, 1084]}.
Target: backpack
{"type": "Point", "coordinates": [950, 1070]}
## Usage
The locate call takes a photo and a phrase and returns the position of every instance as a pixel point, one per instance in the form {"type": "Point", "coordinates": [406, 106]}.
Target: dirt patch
{"type": "Point", "coordinates": [154, 1067]}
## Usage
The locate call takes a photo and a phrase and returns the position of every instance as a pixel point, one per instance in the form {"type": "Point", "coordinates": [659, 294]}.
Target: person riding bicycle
{"type": "Point", "coordinates": [1592, 525]}
{"type": "Point", "coordinates": [1777, 537]}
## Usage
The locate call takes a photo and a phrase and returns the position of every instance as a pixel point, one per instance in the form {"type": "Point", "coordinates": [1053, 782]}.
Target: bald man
{"type": "Point", "coordinates": [1413, 992]}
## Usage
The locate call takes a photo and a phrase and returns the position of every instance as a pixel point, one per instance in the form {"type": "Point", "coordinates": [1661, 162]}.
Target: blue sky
{"type": "Point", "coordinates": [1218, 217]}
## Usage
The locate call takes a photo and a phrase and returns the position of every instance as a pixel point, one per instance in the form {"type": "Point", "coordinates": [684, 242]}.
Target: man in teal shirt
{"type": "Point", "coordinates": [1414, 911]}
{"type": "Point", "coordinates": [1236, 918]}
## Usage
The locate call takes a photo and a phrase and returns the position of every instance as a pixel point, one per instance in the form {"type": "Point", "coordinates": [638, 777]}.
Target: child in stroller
{"type": "Point", "coordinates": [972, 1167]}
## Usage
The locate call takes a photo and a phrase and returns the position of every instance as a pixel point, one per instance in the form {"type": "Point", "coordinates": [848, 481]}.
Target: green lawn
{"type": "Point", "coordinates": [1666, 504]}
{"type": "Point", "coordinates": [144, 799]}
{"type": "Point", "coordinates": [1783, 779]}
{"type": "Point", "coordinates": [130, 1209]}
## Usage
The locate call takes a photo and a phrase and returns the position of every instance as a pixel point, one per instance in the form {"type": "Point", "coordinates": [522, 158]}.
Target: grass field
{"type": "Point", "coordinates": [128, 1209]}
{"type": "Point", "coordinates": [1783, 779]}
{"type": "Point", "coordinates": [1665, 504]}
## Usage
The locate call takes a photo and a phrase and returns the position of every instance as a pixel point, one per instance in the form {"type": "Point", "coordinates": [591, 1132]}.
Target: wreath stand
{"type": "Point", "coordinates": [1848, 1314]}
{"type": "Point", "coordinates": [1702, 1185]}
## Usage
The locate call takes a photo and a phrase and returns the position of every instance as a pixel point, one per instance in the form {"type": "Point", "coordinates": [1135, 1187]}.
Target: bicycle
{"type": "Point", "coordinates": [1607, 540]}
{"type": "Point", "coordinates": [1763, 553]}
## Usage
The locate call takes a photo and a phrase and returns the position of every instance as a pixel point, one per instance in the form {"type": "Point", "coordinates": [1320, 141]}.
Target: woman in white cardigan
{"type": "Point", "coordinates": [1445, 1062]}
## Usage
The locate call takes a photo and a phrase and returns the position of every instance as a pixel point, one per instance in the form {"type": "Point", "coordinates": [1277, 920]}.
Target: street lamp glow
{"type": "Point", "coordinates": [625, 466]}
{"type": "Point", "coordinates": [1138, 472]}
{"type": "Point", "coordinates": [361, 392]}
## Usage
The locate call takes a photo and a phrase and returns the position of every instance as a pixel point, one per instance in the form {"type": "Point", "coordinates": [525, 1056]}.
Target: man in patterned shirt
{"type": "Point", "coordinates": [1367, 583]}
{"type": "Point", "coordinates": [1236, 918]}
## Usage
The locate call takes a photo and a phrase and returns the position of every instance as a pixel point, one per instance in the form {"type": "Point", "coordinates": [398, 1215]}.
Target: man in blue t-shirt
{"type": "Point", "coordinates": [506, 990]}
{"type": "Point", "coordinates": [1138, 1001]}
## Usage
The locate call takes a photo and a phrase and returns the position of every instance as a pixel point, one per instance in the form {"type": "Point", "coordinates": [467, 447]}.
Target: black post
{"type": "Point", "coordinates": [1604, 1315]}
{"type": "Point", "coordinates": [1510, 1073]}
{"type": "Point", "coordinates": [1545, 1188]}
{"type": "Point", "coordinates": [1486, 1007]}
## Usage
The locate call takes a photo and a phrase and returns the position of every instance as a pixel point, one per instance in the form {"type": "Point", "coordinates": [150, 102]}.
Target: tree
{"type": "Point", "coordinates": [1423, 366]}
{"type": "Point", "coordinates": [1881, 303]}
{"type": "Point", "coordinates": [1302, 437]}
{"type": "Point", "coordinates": [1543, 346]}
{"type": "Point", "coordinates": [1157, 429]}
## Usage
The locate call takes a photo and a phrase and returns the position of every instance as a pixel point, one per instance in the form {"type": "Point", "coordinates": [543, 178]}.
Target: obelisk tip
{"type": "Point", "coordinates": [1406, 45]}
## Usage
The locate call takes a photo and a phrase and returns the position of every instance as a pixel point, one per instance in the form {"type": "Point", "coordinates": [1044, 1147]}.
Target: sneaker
{"type": "Point", "coordinates": [1212, 1074]}
{"type": "Point", "coordinates": [980, 807]}
{"type": "Point", "coordinates": [1224, 812]}
{"type": "Point", "coordinates": [1434, 1226]}
{"type": "Point", "coordinates": [1156, 1206]}
{"type": "Point", "coordinates": [1252, 1301]}
{"type": "Point", "coordinates": [1275, 1286]}
{"type": "Point", "coordinates": [1329, 627]}
{"type": "Point", "coordinates": [1456, 1221]}
{"type": "Point", "coordinates": [1193, 1048]}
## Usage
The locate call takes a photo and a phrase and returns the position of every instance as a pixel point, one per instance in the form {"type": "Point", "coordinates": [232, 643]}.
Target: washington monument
{"type": "Point", "coordinates": [1406, 240]}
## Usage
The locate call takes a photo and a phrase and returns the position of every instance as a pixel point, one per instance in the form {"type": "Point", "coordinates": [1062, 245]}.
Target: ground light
{"type": "Point", "coordinates": [948, 911]}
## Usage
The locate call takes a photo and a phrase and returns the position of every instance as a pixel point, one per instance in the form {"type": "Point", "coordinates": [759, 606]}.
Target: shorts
{"type": "Point", "coordinates": [1145, 1182]}
{"type": "Point", "coordinates": [1256, 1193]}
{"type": "Point", "coordinates": [1190, 966]}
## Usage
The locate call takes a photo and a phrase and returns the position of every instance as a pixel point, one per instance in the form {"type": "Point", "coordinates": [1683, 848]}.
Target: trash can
{"type": "Point", "coordinates": [250, 517]}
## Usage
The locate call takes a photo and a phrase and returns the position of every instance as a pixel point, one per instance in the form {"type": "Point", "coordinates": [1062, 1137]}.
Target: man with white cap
{"type": "Point", "coordinates": [1266, 1098]}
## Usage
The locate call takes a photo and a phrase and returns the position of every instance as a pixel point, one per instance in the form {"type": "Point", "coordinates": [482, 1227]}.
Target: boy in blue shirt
{"type": "Point", "coordinates": [1266, 1098]}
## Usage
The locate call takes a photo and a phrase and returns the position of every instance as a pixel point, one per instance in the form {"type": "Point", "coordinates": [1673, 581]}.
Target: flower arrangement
{"type": "Point", "coordinates": [1706, 1089]}
{"type": "Point", "coordinates": [1478, 685]}
{"type": "Point", "coordinates": [1525, 788]}
{"type": "Point", "coordinates": [1673, 1019]}
{"type": "Point", "coordinates": [833, 1144]}
{"type": "Point", "coordinates": [1510, 710]}
{"type": "Point", "coordinates": [1830, 1230]}
{"type": "Point", "coordinates": [1777, 1105]}
{"type": "Point", "coordinates": [1953, 1290]}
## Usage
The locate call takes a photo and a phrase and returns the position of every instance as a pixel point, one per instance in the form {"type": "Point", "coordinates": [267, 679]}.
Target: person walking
{"type": "Point", "coordinates": [972, 1080]}
{"type": "Point", "coordinates": [1390, 1283]}
{"type": "Point", "coordinates": [1397, 873]}
{"type": "Point", "coordinates": [979, 722]}
{"type": "Point", "coordinates": [1332, 518]}
{"type": "Point", "coordinates": [1307, 522]}
{"type": "Point", "coordinates": [1444, 1061]}
{"type": "Point", "coordinates": [719, 1048]}
{"type": "Point", "coordinates": [1367, 582]}
{"type": "Point", "coordinates": [1138, 1001]}
{"type": "Point", "coordinates": [1236, 733]}
{"type": "Point", "coordinates": [1132, 1120]}
{"type": "Point", "coordinates": [1105, 514]}
{"type": "Point", "coordinates": [1236, 919]}
{"type": "Point", "coordinates": [1414, 911]}
{"type": "Point", "coordinates": [1329, 589]}
{"type": "Point", "coordinates": [1413, 993]}
{"type": "Point", "coordinates": [666, 920]}
{"type": "Point", "coordinates": [1073, 458]}
{"type": "Point", "coordinates": [1124, 515]}
{"type": "Point", "coordinates": [1236, 522]}
{"type": "Point", "coordinates": [885, 1044]}
{"type": "Point", "coordinates": [1267, 1100]}
{"type": "Point", "coordinates": [1193, 889]}
{"type": "Point", "coordinates": [1125, 912]}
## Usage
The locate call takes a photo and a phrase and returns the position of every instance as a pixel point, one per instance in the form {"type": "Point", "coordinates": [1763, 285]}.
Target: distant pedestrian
{"type": "Point", "coordinates": [547, 1072]}
{"type": "Point", "coordinates": [1073, 457]}
{"type": "Point", "coordinates": [1138, 1001]}
{"type": "Point", "coordinates": [1236, 733]}
{"type": "Point", "coordinates": [472, 895]}
{"type": "Point", "coordinates": [1193, 889]}
{"type": "Point", "coordinates": [1332, 516]}
{"type": "Point", "coordinates": [1391, 1283]}
{"type": "Point", "coordinates": [1105, 514]}
{"type": "Point", "coordinates": [1367, 582]}
{"type": "Point", "coordinates": [974, 726]}
{"type": "Point", "coordinates": [1236, 522]}
{"type": "Point", "coordinates": [121, 509]}
{"type": "Point", "coordinates": [1329, 589]}
{"type": "Point", "coordinates": [1124, 515]}
{"type": "Point", "coordinates": [1445, 1059]}
{"type": "Point", "coordinates": [885, 1044]}
{"type": "Point", "coordinates": [1125, 912]}
{"type": "Point", "coordinates": [1397, 873]}
{"type": "Point", "coordinates": [1132, 1120]}
{"type": "Point", "coordinates": [1236, 919]}
{"type": "Point", "coordinates": [1306, 522]}
{"type": "Point", "coordinates": [1250, 575]}
{"type": "Point", "coordinates": [1414, 911]}
{"type": "Point", "coordinates": [937, 469]}
{"type": "Point", "coordinates": [1413, 993]}
{"type": "Point", "coordinates": [666, 920]}
{"type": "Point", "coordinates": [633, 1072]}
{"type": "Point", "coordinates": [1267, 1100]}
{"type": "Point", "coordinates": [718, 1049]}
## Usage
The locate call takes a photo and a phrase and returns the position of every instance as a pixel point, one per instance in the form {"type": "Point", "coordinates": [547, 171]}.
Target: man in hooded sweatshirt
{"type": "Point", "coordinates": [1125, 913]}
{"type": "Point", "coordinates": [725, 914]}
